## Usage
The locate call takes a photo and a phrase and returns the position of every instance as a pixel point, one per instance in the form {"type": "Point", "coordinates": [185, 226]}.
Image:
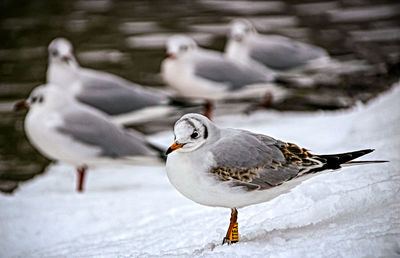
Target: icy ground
{"type": "Point", "coordinates": [135, 212]}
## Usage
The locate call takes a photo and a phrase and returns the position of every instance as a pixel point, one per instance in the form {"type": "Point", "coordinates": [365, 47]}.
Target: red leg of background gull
{"type": "Point", "coordinates": [267, 101]}
{"type": "Point", "coordinates": [81, 178]}
{"type": "Point", "coordinates": [208, 109]}
{"type": "Point", "coordinates": [227, 238]}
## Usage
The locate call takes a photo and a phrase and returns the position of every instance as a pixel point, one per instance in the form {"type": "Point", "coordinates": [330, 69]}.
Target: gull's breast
{"type": "Point", "coordinates": [189, 174]}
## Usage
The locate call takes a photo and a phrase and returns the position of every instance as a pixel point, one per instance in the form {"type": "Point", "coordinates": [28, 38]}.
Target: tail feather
{"type": "Point", "coordinates": [335, 161]}
{"type": "Point", "coordinates": [354, 163]}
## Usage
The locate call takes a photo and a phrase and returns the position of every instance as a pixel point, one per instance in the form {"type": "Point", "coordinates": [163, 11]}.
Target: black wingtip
{"type": "Point", "coordinates": [185, 102]}
{"type": "Point", "coordinates": [360, 152]}
{"type": "Point", "coordinates": [335, 161]}
{"type": "Point", "coordinates": [168, 151]}
{"type": "Point", "coordinates": [160, 151]}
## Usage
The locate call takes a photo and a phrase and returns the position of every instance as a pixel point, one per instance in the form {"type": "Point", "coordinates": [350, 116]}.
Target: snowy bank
{"type": "Point", "coordinates": [134, 211]}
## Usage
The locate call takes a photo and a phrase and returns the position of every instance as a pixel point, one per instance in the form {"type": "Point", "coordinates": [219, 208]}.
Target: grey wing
{"type": "Point", "coordinates": [252, 161]}
{"type": "Point", "coordinates": [282, 53]}
{"type": "Point", "coordinates": [114, 95]}
{"type": "Point", "coordinates": [229, 73]}
{"type": "Point", "coordinates": [94, 130]}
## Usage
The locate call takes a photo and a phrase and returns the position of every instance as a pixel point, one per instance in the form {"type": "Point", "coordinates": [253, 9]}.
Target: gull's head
{"type": "Point", "coordinates": [61, 52]}
{"type": "Point", "coordinates": [240, 28]}
{"type": "Point", "coordinates": [191, 132]}
{"type": "Point", "coordinates": [44, 95]}
{"type": "Point", "coordinates": [36, 98]}
{"type": "Point", "coordinates": [179, 45]}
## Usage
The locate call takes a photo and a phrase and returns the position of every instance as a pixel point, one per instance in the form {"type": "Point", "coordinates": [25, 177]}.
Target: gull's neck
{"type": "Point", "coordinates": [61, 74]}
{"type": "Point", "coordinates": [236, 51]}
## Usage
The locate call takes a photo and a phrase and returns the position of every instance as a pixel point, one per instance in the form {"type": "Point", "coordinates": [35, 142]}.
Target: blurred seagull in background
{"type": "Point", "coordinates": [279, 53]}
{"type": "Point", "coordinates": [63, 129]}
{"type": "Point", "coordinates": [234, 168]}
{"type": "Point", "coordinates": [126, 102]}
{"type": "Point", "coordinates": [200, 73]}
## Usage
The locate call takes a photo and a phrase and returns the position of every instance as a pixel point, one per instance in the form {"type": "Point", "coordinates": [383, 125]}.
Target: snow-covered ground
{"type": "Point", "coordinates": [135, 212]}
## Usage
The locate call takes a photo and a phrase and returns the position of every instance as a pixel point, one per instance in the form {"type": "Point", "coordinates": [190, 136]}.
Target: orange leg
{"type": "Point", "coordinates": [81, 171]}
{"type": "Point", "coordinates": [209, 106]}
{"type": "Point", "coordinates": [227, 238]}
{"type": "Point", "coordinates": [267, 100]}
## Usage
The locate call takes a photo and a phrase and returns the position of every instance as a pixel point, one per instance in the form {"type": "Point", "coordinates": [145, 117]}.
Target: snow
{"type": "Point", "coordinates": [130, 211]}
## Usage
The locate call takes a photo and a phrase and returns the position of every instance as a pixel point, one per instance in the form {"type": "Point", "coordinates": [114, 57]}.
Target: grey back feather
{"type": "Point", "coordinates": [114, 95]}
{"type": "Point", "coordinates": [229, 73]}
{"type": "Point", "coordinates": [252, 161]}
{"type": "Point", "coordinates": [282, 53]}
{"type": "Point", "coordinates": [96, 131]}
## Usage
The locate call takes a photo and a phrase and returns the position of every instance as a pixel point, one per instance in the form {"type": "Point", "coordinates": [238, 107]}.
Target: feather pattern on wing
{"type": "Point", "coordinates": [259, 162]}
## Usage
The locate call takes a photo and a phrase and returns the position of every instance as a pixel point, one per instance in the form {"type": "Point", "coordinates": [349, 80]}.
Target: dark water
{"type": "Point", "coordinates": [126, 38]}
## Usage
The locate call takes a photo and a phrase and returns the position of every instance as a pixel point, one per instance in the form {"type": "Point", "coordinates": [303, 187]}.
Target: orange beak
{"type": "Point", "coordinates": [21, 105]}
{"type": "Point", "coordinates": [174, 147]}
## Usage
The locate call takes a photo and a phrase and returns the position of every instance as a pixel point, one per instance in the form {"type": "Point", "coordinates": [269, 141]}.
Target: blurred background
{"type": "Point", "coordinates": [127, 38]}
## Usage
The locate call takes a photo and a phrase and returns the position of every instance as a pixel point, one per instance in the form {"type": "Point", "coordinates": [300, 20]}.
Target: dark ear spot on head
{"type": "Point", "coordinates": [205, 132]}
{"type": "Point", "coordinates": [189, 122]}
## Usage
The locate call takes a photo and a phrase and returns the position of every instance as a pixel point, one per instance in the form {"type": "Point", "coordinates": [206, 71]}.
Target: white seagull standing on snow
{"type": "Point", "coordinates": [279, 53]}
{"type": "Point", "coordinates": [200, 73]}
{"type": "Point", "coordinates": [63, 129]}
{"type": "Point", "coordinates": [125, 101]}
{"type": "Point", "coordinates": [234, 168]}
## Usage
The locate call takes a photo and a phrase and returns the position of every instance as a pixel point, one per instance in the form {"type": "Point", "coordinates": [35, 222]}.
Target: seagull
{"type": "Point", "coordinates": [276, 52]}
{"type": "Point", "coordinates": [126, 102]}
{"type": "Point", "coordinates": [63, 129]}
{"type": "Point", "coordinates": [205, 74]}
{"type": "Point", "coordinates": [235, 168]}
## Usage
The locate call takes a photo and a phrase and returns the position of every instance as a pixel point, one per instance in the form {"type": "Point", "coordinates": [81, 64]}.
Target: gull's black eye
{"type": "Point", "coordinates": [34, 99]}
{"type": "Point", "coordinates": [194, 135]}
{"type": "Point", "coordinates": [66, 59]}
{"type": "Point", "coordinates": [54, 53]}
{"type": "Point", "coordinates": [40, 99]}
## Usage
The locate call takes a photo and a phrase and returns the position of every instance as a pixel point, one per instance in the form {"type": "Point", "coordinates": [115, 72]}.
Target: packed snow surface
{"type": "Point", "coordinates": [130, 211]}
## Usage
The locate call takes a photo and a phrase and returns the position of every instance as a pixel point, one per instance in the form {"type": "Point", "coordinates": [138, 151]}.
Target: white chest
{"type": "Point", "coordinates": [41, 130]}
{"type": "Point", "coordinates": [177, 74]}
{"type": "Point", "coordinates": [238, 52]}
{"type": "Point", "coordinates": [191, 177]}
{"type": "Point", "coordinates": [60, 75]}
{"type": "Point", "coordinates": [188, 177]}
